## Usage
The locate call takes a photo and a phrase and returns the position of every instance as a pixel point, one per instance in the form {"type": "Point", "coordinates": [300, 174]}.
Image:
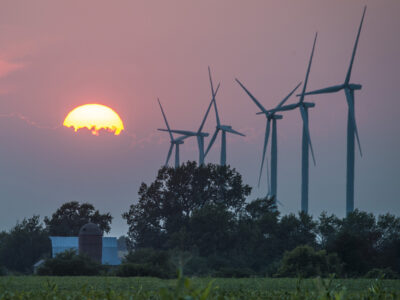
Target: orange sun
{"type": "Point", "coordinates": [94, 117]}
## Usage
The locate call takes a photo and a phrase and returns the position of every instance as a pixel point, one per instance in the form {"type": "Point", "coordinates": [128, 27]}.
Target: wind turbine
{"type": "Point", "coordinates": [306, 139]}
{"type": "Point", "coordinates": [273, 184]}
{"type": "Point", "coordinates": [223, 128]}
{"type": "Point", "coordinates": [199, 134]}
{"type": "Point", "coordinates": [174, 142]}
{"type": "Point", "coordinates": [352, 130]}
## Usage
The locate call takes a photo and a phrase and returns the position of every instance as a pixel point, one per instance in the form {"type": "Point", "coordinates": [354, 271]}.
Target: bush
{"type": "Point", "coordinates": [142, 270]}
{"type": "Point", "coordinates": [147, 262]}
{"type": "Point", "coordinates": [386, 273]}
{"type": "Point", "coordinates": [305, 262]}
{"type": "Point", "coordinates": [234, 272]}
{"type": "Point", "coordinates": [69, 263]}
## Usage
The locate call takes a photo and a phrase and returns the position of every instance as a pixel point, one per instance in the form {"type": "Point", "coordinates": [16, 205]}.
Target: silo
{"type": "Point", "coordinates": [91, 241]}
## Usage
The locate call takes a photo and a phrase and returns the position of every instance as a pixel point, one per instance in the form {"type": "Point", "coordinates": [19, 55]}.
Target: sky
{"type": "Point", "coordinates": [57, 55]}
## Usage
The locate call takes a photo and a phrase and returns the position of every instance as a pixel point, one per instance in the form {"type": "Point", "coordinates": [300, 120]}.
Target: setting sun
{"type": "Point", "coordinates": [94, 117]}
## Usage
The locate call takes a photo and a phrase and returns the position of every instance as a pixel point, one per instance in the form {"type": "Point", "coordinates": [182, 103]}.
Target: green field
{"type": "Point", "coordinates": [33, 287]}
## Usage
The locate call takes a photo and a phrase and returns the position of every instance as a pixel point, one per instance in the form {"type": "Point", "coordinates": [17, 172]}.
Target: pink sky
{"type": "Point", "coordinates": [56, 55]}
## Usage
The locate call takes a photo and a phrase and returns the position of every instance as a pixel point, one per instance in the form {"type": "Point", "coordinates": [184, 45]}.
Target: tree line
{"type": "Point", "coordinates": [200, 217]}
{"type": "Point", "coordinates": [202, 211]}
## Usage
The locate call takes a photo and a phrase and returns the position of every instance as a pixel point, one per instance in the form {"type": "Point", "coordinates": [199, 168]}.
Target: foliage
{"type": "Point", "coordinates": [196, 288]}
{"type": "Point", "coordinates": [69, 263]}
{"type": "Point", "coordinates": [161, 218]}
{"type": "Point", "coordinates": [201, 210]}
{"type": "Point", "coordinates": [122, 243]}
{"type": "Point", "coordinates": [305, 262]}
{"type": "Point", "coordinates": [71, 216]}
{"type": "Point", "coordinates": [386, 273]}
{"type": "Point", "coordinates": [147, 262]}
{"type": "Point", "coordinates": [24, 245]}
{"type": "Point", "coordinates": [234, 272]}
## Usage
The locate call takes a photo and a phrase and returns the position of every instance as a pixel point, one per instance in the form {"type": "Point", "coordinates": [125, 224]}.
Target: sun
{"type": "Point", "coordinates": [94, 117]}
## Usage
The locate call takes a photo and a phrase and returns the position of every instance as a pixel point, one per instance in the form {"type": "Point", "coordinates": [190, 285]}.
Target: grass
{"type": "Point", "coordinates": [35, 287]}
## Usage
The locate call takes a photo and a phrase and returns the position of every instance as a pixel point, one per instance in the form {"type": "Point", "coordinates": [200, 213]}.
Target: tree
{"type": "Point", "coordinates": [295, 231]}
{"type": "Point", "coordinates": [163, 213]}
{"type": "Point", "coordinates": [388, 245]}
{"type": "Point", "coordinates": [356, 243]}
{"type": "Point", "coordinates": [24, 245]}
{"type": "Point", "coordinates": [328, 227]}
{"type": "Point", "coordinates": [304, 261]}
{"type": "Point", "coordinates": [69, 263]}
{"type": "Point", "coordinates": [71, 216]}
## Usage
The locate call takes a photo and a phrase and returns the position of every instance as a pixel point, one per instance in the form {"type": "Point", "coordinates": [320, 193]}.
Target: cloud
{"type": "Point", "coordinates": [7, 67]}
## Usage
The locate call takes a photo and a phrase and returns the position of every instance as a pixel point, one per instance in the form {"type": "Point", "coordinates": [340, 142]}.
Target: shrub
{"type": "Point", "coordinates": [142, 270]}
{"type": "Point", "coordinates": [69, 263]}
{"type": "Point", "coordinates": [234, 272]}
{"type": "Point", "coordinates": [386, 273]}
{"type": "Point", "coordinates": [305, 262]}
{"type": "Point", "coordinates": [147, 262]}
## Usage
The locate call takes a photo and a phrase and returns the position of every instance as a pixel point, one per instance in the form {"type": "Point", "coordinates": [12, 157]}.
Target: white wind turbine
{"type": "Point", "coordinates": [223, 128]}
{"type": "Point", "coordinates": [174, 142]}
{"type": "Point", "coordinates": [352, 131]}
{"type": "Point", "coordinates": [271, 116]}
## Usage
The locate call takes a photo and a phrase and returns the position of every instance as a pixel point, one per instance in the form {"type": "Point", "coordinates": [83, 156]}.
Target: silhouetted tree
{"type": "Point", "coordinates": [71, 216]}
{"type": "Point", "coordinates": [24, 245]}
{"type": "Point", "coordinates": [295, 231]}
{"type": "Point", "coordinates": [162, 216]}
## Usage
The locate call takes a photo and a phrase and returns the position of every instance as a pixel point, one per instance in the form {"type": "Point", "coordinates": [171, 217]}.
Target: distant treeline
{"type": "Point", "coordinates": [203, 212]}
{"type": "Point", "coordinates": [198, 218]}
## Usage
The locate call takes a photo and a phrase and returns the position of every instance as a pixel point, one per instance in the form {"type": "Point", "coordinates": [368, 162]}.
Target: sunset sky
{"type": "Point", "coordinates": [55, 56]}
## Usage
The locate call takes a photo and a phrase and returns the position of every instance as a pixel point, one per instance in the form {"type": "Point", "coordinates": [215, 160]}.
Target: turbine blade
{"type": "Point", "coordinates": [331, 89]}
{"type": "Point", "coordinates": [165, 119]}
{"type": "Point", "coordinates": [216, 110]}
{"type": "Point", "coordinates": [213, 96]}
{"type": "Point", "coordinates": [207, 112]}
{"type": "Point", "coordinates": [211, 142]}
{"type": "Point", "coordinates": [267, 129]}
{"type": "Point", "coordinates": [350, 102]}
{"type": "Point", "coordinates": [284, 108]}
{"type": "Point", "coordinates": [184, 132]}
{"type": "Point", "coordinates": [280, 203]}
{"type": "Point", "coordinates": [233, 131]}
{"type": "Point", "coordinates": [304, 116]}
{"type": "Point", "coordinates": [308, 69]}
{"type": "Point", "coordinates": [355, 48]}
{"type": "Point", "coordinates": [288, 96]}
{"type": "Point", "coordinates": [211, 83]}
{"type": "Point", "coordinates": [252, 97]}
{"type": "Point", "coordinates": [182, 138]}
{"type": "Point", "coordinates": [169, 154]}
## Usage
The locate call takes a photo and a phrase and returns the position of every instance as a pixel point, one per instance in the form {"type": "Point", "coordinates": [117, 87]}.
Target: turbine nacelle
{"type": "Point", "coordinates": [177, 142]}
{"type": "Point", "coordinates": [354, 86]}
{"type": "Point", "coordinates": [308, 104]}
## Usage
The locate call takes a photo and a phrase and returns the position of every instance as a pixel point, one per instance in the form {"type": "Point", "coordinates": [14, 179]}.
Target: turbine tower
{"type": "Point", "coordinates": [306, 138]}
{"type": "Point", "coordinates": [273, 184]}
{"type": "Point", "coordinates": [352, 131]}
{"type": "Point", "coordinates": [223, 128]}
{"type": "Point", "coordinates": [174, 142]}
{"type": "Point", "coordinates": [199, 134]}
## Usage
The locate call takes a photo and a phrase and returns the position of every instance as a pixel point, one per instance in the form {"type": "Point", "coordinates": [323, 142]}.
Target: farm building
{"type": "Point", "coordinates": [109, 248]}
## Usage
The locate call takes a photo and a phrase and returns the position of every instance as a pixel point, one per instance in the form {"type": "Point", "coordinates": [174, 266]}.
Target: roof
{"type": "Point", "coordinates": [90, 229]}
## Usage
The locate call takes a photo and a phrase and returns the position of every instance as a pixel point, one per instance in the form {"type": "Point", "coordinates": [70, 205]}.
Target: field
{"type": "Point", "coordinates": [33, 287]}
